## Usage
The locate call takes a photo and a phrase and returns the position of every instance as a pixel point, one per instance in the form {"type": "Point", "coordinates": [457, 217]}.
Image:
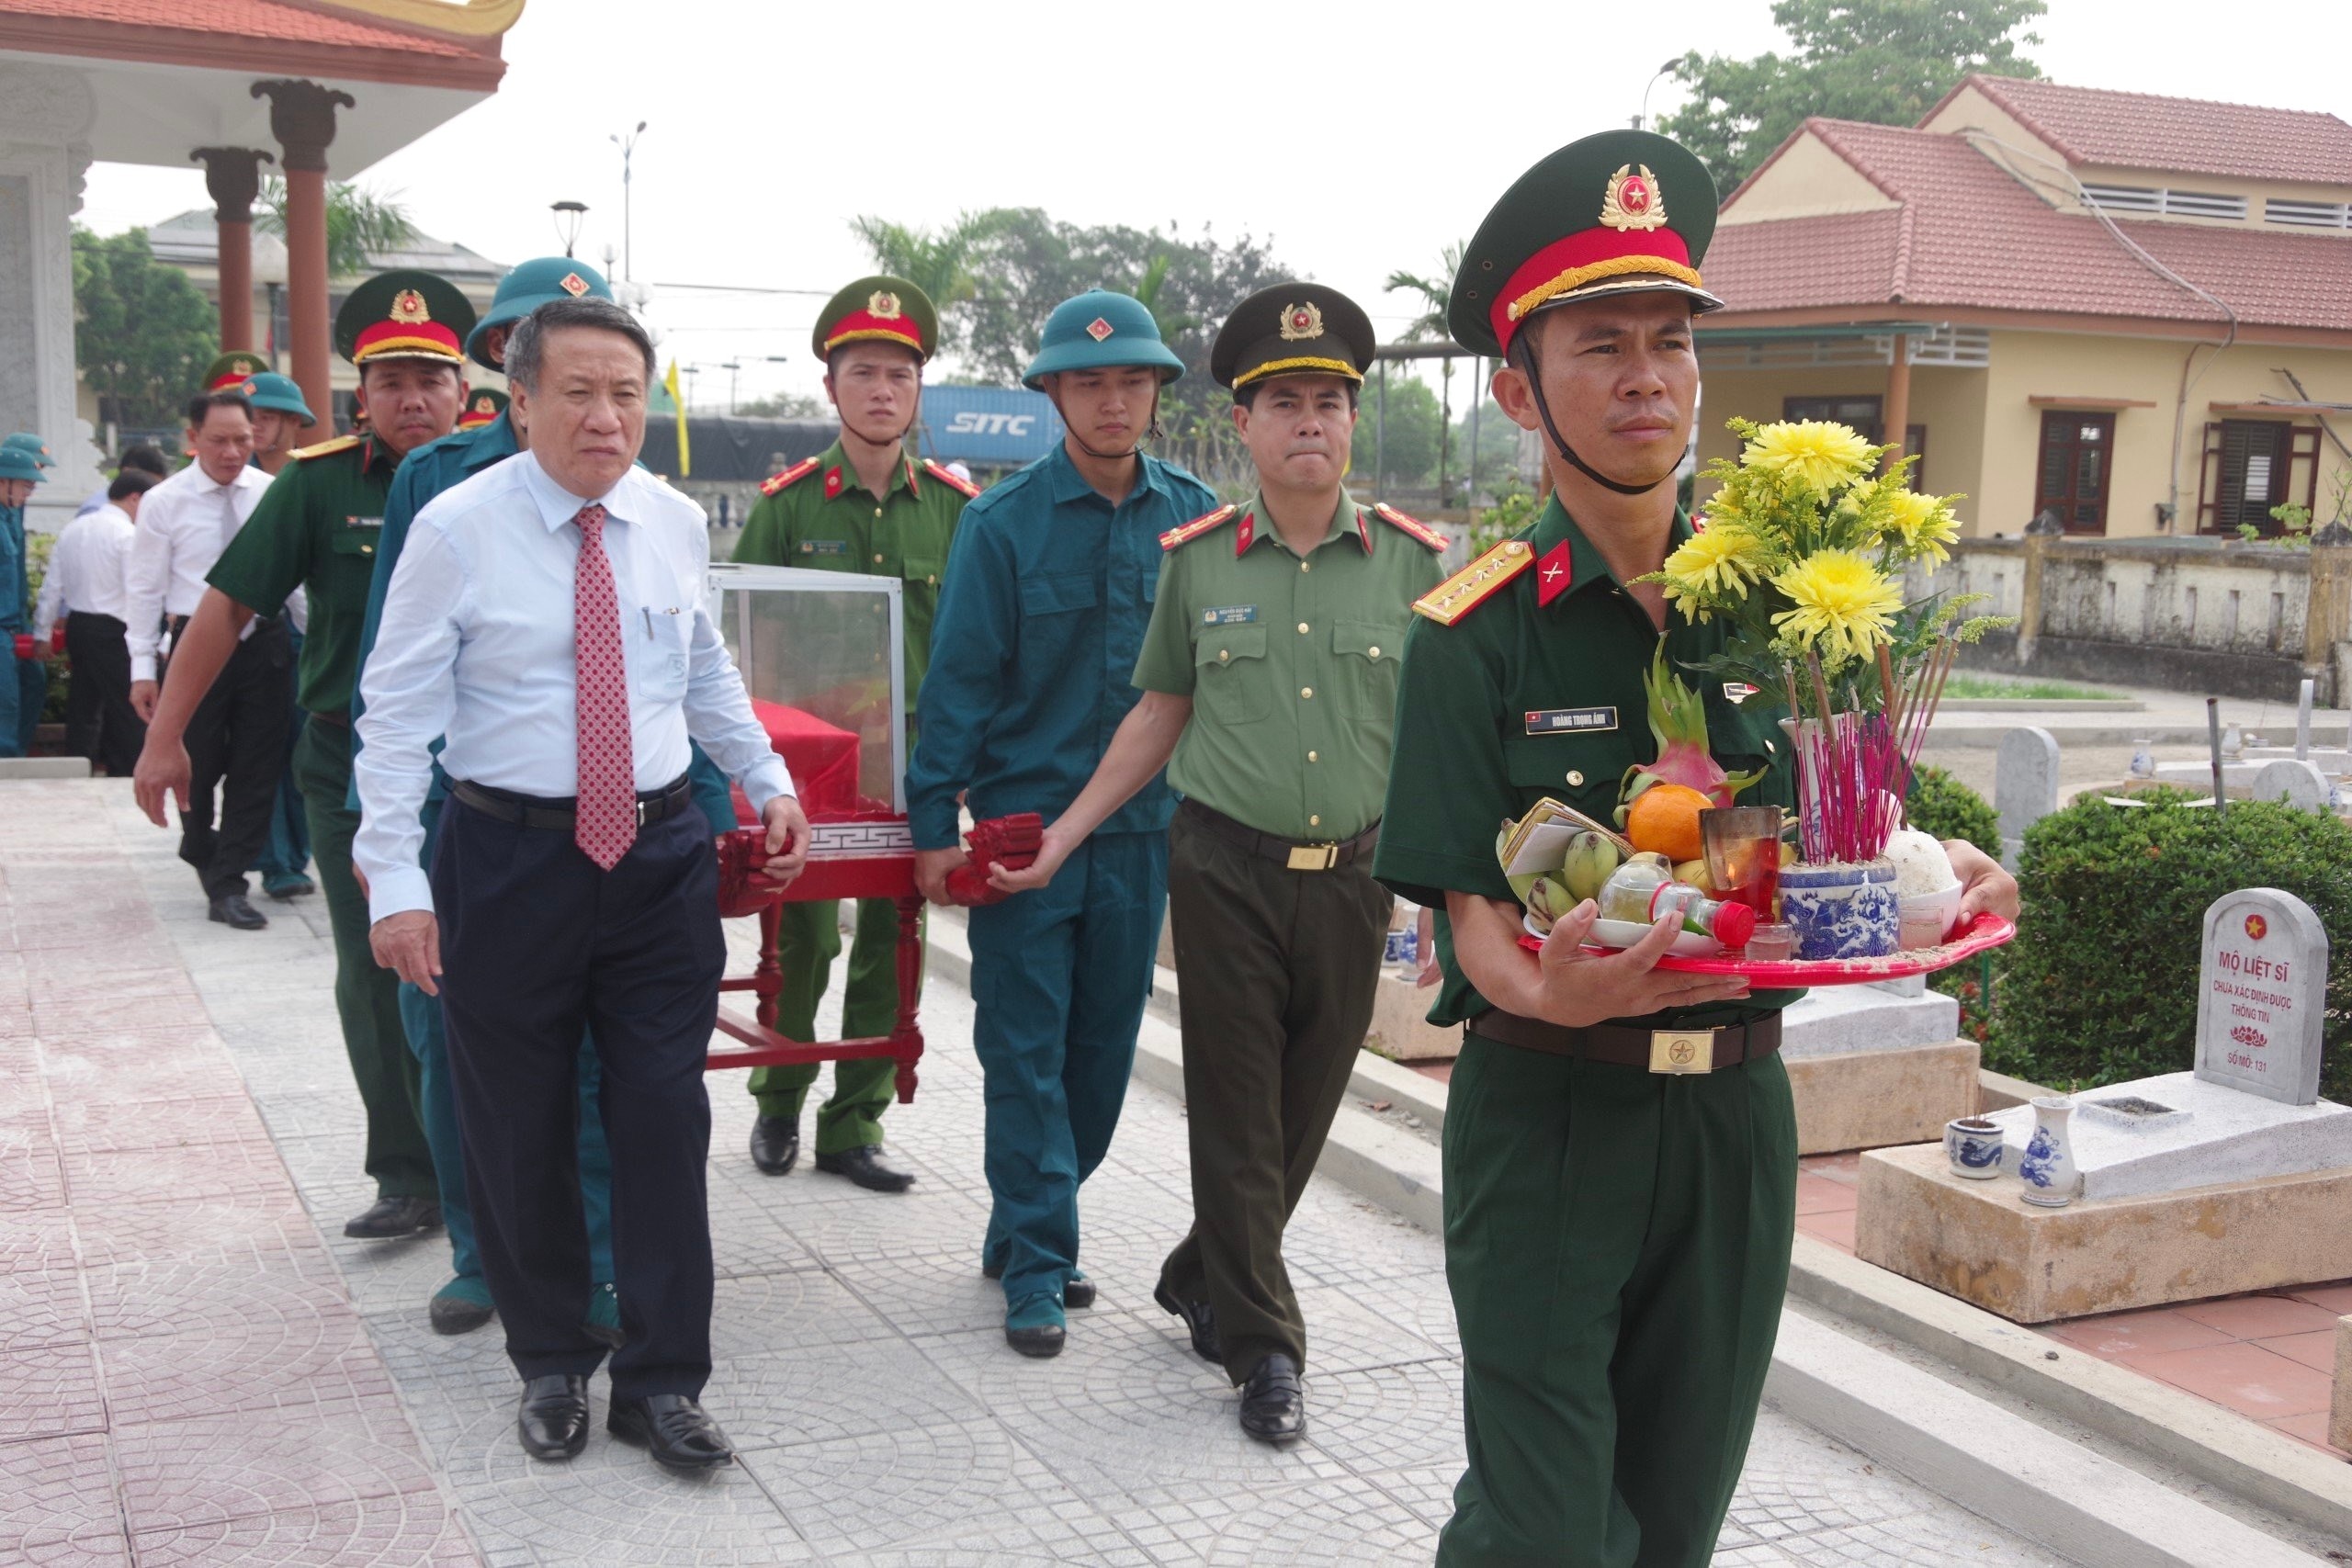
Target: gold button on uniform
{"type": "Point", "coordinates": [1306, 691]}
{"type": "Point", "coordinates": [1307, 566]}
{"type": "Point", "coordinates": [1222, 655]}
{"type": "Point", "coordinates": [1574, 777]}
{"type": "Point", "coordinates": [878, 558]}
{"type": "Point", "coordinates": [1310, 756]}
{"type": "Point", "coordinates": [1315, 821]}
{"type": "Point", "coordinates": [1375, 650]}
{"type": "Point", "coordinates": [1301, 628]}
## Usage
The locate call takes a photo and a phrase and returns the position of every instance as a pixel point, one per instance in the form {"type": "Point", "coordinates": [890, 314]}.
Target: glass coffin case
{"type": "Point", "coordinates": [822, 657]}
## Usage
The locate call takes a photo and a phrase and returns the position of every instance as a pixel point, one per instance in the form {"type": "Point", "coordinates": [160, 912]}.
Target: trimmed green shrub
{"type": "Point", "coordinates": [1941, 805]}
{"type": "Point", "coordinates": [2100, 985]}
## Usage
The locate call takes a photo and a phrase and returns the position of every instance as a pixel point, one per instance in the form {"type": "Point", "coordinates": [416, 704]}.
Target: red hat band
{"type": "Point", "coordinates": [418, 340]}
{"type": "Point", "coordinates": [1587, 257]}
{"type": "Point", "coordinates": [865, 326]}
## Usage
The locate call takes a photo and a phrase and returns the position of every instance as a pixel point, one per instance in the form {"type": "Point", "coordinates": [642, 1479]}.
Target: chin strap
{"type": "Point", "coordinates": [1543, 410]}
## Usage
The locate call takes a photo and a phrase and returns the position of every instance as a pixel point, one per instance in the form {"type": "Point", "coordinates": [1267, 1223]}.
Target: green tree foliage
{"type": "Point", "coordinates": [1401, 447]}
{"type": "Point", "coordinates": [1887, 61]}
{"type": "Point", "coordinates": [1497, 444]}
{"type": "Point", "coordinates": [788, 405]}
{"type": "Point", "coordinates": [143, 333]}
{"type": "Point", "coordinates": [361, 225]}
{"type": "Point", "coordinates": [937, 261]}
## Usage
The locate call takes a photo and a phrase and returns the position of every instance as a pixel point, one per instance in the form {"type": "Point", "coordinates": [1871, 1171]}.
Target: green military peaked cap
{"type": "Point", "coordinates": [1101, 330]}
{"type": "Point", "coordinates": [483, 405]}
{"type": "Point", "coordinates": [233, 370]}
{"type": "Point", "coordinates": [279, 395]}
{"type": "Point", "coordinates": [34, 448]}
{"type": "Point", "coordinates": [1622, 211]}
{"type": "Point", "coordinates": [526, 287]}
{"type": "Point", "coordinates": [404, 314]}
{"type": "Point", "coordinates": [1292, 329]}
{"type": "Point", "coordinates": [880, 309]}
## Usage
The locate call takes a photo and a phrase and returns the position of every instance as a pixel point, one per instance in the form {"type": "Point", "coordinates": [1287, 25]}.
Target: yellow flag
{"type": "Point", "coordinates": [670, 382]}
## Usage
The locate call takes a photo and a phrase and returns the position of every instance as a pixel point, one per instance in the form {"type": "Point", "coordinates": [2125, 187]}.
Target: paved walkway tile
{"type": "Point", "coordinates": [196, 1367]}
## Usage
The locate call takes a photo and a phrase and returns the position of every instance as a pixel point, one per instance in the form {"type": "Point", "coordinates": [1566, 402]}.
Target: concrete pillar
{"type": "Point", "coordinates": [1895, 412]}
{"type": "Point", "coordinates": [46, 114]}
{"type": "Point", "coordinates": [2327, 618]}
{"type": "Point", "coordinates": [232, 178]}
{"type": "Point", "coordinates": [301, 116]}
{"type": "Point", "coordinates": [2038, 534]}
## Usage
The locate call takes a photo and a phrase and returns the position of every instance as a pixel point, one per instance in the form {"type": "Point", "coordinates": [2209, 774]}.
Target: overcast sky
{"type": "Point", "coordinates": [1359, 139]}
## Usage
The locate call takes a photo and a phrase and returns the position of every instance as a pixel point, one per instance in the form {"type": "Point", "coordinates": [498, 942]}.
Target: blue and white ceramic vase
{"type": "Point", "coordinates": [2047, 1169]}
{"type": "Point", "coordinates": [1974, 1146]}
{"type": "Point", "coordinates": [1842, 908]}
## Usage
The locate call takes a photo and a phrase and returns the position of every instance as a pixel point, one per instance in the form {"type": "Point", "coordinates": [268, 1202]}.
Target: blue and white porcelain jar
{"type": "Point", "coordinates": [1842, 908]}
{"type": "Point", "coordinates": [1974, 1146]}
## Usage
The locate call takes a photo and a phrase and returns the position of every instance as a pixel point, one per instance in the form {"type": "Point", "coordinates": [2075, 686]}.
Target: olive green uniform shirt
{"type": "Point", "coordinates": [1518, 700]}
{"type": "Point", "coordinates": [1291, 662]}
{"type": "Point", "coordinates": [826, 519]}
{"type": "Point", "coordinates": [315, 528]}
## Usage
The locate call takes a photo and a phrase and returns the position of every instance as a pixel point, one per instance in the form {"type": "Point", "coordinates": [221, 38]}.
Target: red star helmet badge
{"type": "Point", "coordinates": [2256, 926]}
{"type": "Point", "coordinates": [1098, 329]}
{"type": "Point", "coordinates": [571, 283]}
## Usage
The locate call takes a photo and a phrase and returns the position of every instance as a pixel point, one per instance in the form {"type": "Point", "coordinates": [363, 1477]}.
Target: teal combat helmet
{"type": "Point", "coordinates": [528, 285]}
{"type": "Point", "coordinates": [19, 463]}
{"type": "Point", "coordinates": [1101, 330]}
{"type": "Point", "coordinates": [35, 449]}
{"type": "Point", "coordinates": [278, 394]}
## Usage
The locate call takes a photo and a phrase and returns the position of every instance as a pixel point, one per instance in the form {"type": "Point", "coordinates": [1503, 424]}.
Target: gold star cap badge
{"type": "Point", "coordinates": [408, 308]}
{"type": "Point", "coordinates": [571, 283]}
{"type": "Point", "coordinates": [1632, 200]}
{"type": "Point", "coordinates": [1302, 322]}
{"type": "Point", "coordinates": [244, 367]}
{"type": "Point", "coordinates": [1098, 329]}
{"type": "Point", "coordinates": [884, 306]}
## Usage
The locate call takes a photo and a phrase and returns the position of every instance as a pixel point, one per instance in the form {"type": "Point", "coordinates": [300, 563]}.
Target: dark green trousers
{"type": "Point", "coordinates": [366, 999]}
{"type": "Point", "coordinates": [1275, 974]}
{"type": "Point", "coordinates": [1617, 1242]}
{"type": "Point", "coordinates": [808, 941]}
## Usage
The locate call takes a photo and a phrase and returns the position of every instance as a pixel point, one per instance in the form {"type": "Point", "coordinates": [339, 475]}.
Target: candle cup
{"type": "Point", "coordinates": [1743, 849]}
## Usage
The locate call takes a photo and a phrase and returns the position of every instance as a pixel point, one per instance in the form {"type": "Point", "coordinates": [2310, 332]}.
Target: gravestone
{"type": "Point", "coordinates": [2262, 995]}
{"type": "Point", "coordinates": [2303, 721]}
{"type": "Point", "coordinates": [2299, 783]}
{"type": "Point", "coordinates": [2025, 785]}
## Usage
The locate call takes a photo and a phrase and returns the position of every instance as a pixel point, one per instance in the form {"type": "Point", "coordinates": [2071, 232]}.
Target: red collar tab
{"type": "Point", "coordinates": [1245, 534]}
{"type": "Point", "coordinates": [832, 482]}
{"type": "Point", "coordinates": [1555, 569]}
{"type": "Point", "coordinates": [912, 489]}
{"type": "Point", "coordinates": [1363, 531]}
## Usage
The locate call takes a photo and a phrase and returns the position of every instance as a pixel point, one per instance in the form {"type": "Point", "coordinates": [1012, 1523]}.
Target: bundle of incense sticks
{"type": "Point", "coordinates": [1854, 768]}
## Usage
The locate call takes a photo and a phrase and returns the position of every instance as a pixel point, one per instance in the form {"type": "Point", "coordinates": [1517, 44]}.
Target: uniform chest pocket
{"type": "Point", "coordinates": [1365, 668]}
{"type": "Point", "coordinates": [351, 551]}
{"type": "Point", "coordinates": [655, 649]}
{"type": "Point", "coordinates": [1581, 768]}
{"type": "Point", "coordinates": [1233, 681]}
{"type": "Point", "coordinates": [1053, 619]}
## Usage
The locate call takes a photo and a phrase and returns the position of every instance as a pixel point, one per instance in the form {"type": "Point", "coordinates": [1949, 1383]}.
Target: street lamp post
{"type": "Point", "coordinates": [627, 147]}
{"type": "Point", "coordinates": [1641, 120]}
{"type": "Point", "coordinates": [568, 216]}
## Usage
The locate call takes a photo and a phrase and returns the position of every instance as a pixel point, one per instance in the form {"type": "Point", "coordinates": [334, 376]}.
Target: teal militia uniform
{"type": "Point", "coordinates": [285, 860]}
{"type": "Point", "coordinates": [1048, 594]}
{"type": "Point", "coordinates": [1290, 661]}
{"type": "Point", "coordinates": [816, 515]}
{"type": "Point", "coordinates": [24, 682]}
{"type": "Point", "coordinates": [1617, 1240]}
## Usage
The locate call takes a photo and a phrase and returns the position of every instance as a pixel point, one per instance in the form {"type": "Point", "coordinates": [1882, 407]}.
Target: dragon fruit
{"type": "Point", "coordinates": [1679, 722]}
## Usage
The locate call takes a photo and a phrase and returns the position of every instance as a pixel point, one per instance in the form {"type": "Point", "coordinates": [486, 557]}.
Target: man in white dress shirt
{"type": "Point", "coordinates": [547, 617]}
{"type": "Point", "coordinates": [237, 738]}
{"type": "Point", "coordinates": [85, 586]}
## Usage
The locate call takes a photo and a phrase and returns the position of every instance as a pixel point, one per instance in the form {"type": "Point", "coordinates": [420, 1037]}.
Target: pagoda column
{"type": "Point", "coordinates": [232, 178]}
{"type": "Point", "coordinates": [301, 116]}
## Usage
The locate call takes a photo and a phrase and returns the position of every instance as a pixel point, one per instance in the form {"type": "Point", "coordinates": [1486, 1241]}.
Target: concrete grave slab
{"type": "Point", "coordinates": [1871, 1065]}
{"type": "Point", "coordinates": [2178, 1132]}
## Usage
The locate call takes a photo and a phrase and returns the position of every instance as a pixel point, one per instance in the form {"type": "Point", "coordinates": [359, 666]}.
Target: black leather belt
{"type": "Point", "coordinates": [1296, 853]}
{"type": "Point", "coordinates": [559, 816]}
{"type": "Point", "coordinates": [1659, 1050]}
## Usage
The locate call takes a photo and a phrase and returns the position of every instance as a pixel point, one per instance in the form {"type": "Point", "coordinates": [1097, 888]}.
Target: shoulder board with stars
{"type": "Point", "coordinates": [1474, 583]}
{"type": "Point", "coordinates": [799, 470]}
{"type": "Point", "coordinates": [1413, 525]}
{"type": "Point", "coordinates": [340, 444]}
{"type": "Point", "coordinates": [1183, 533]}
{"type": "Point", "coordinates": [965, 487]}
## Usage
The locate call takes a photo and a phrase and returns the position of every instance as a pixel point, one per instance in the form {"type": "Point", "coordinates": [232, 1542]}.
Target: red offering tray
{"type": "Point", "coordinates": [1980, 935]}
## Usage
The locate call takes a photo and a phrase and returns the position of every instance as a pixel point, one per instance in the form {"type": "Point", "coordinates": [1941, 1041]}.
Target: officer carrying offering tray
{"type": "Point", "coordinates": [1801, 553]}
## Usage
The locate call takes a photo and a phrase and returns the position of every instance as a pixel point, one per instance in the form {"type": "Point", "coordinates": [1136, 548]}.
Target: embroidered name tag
{"type": "Point", "coordinates": [1229, 616]}
{"type": "Point", "coordinates": [363, 521]}
{"type": "Point", "coordinates": [1564, 721]}
{"type": "Point", "coordinates": [824, 546]}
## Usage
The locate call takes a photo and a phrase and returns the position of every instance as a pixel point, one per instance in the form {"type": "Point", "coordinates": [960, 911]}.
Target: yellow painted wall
{"type": "Point", "coordinates": [1808, 180]}
{"type": "Point", "coordinates": [1950, 403]}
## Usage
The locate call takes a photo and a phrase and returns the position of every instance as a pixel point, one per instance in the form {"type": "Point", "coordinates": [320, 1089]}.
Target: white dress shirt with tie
{"type": "Point", "coordinates": [85, 574]}
{"type": "Point", "coordinates": [476, 645]}
{"type": "Point", "coordinates": [183, 525]}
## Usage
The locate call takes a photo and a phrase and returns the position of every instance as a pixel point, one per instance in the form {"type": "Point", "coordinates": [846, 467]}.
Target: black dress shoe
{"type": "Point", "coordinates": [553, 1421]}
{"type": "Point", "coordinates": [1038, 1343]}
{"type": "Point", "coordinates": [1198, 1316]}
{"type": "Point", "coordinates": [1274, 1407]}
{"type": "Point", "coordinates": [388, 1219]}
{"type": "Point", "coordinates": [863, 1165]}
{"type": "Point", "coordinates": [455, 1315]}
{"type": "Point", "coordinates": [775, 1144]}
{"type": "Point", "coordinates": [1078, 1294]}
{"type": "Point", "coordinates": [235, 911]}
{"type": "Point", "coordinates": [674, 1427]}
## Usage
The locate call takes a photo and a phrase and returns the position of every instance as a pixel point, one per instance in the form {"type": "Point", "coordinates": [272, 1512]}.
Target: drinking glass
{"type": "Point", "coordinates": [1742, 845]}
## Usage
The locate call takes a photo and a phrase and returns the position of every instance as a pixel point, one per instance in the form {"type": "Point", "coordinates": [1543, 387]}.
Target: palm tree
{"type": "Point", "coordinates": [361, 225]}
{"type": "Point", "coordinates": [939, 263]}
{"type": "Point", "coordinates": [1435, 293]}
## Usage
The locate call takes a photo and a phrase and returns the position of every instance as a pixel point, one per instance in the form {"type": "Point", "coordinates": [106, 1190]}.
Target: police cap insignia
{"type": "Point", "coordinates": [1302, 322]}
{"type": "Point", "coordinates": [884, 305]}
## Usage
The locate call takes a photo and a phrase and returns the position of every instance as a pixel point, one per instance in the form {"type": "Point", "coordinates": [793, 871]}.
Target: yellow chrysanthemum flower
{"type": "Point", "coordinates": [1717, 564]}
{"type": "Point", "coordinates": [1819, 454]}
{"type": "Point", "coordinates": [1922, 525]}
{"type": "Point", "coordinates": [1844, 607]}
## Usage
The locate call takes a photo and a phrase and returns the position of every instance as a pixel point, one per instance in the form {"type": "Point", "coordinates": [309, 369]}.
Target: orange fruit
{"type": "Point", "coordinates": [1665, 818]}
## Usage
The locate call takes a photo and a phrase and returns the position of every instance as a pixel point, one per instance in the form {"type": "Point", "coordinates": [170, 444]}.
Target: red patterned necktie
{"type": "Point", "coordinates": [605, 823]}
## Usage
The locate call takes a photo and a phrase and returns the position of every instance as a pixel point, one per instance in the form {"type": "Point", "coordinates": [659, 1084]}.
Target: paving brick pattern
{"type": "Point", "coordinates": [2269, 1355]}
{"type": "Point", "coordinates": [196, 1368]}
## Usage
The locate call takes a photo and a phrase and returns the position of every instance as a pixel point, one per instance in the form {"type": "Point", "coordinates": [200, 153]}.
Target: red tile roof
{"type": "Point", "coordinates": [2141, 130]}
{"type": "Point", "coordinates": [1966, 234]}
{"type": "Point", "coordinates": [262, 20]}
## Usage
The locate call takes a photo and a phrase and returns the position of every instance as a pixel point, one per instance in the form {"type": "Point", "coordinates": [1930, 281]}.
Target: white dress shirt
{"type": "Point", "coordinates": [85, 572]}
{"type": "Point", "coordinates": [183, 525]}
{"type": "Point", "coordinates": [476, 645]}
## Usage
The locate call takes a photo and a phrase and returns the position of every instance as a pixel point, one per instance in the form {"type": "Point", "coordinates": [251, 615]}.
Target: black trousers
{"type": "Point", "coordinates": [100, 723]}
{"type": "Point", "coordinates": [236, 743]}
{"type": "Point", "coordinates": [537, 946]}
{"type": "Point", "coordinates": [1275, 974]}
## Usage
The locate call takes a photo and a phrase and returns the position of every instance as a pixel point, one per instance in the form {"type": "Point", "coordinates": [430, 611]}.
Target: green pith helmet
{"type": "Point", "coordinates": [404, 314]}
{"type": "Point", "coordinates": [279, 395]}
{"type": "Point", "coordinates": [524, 289]}
{"type": "Point", "coordinates": [1622, 211]}
{"type": "Point", "coordinates": [34, 448]}
{"type": "Point", "coordinates": [483, 405]}
{"type": "Point", "coordinates": [233, 370]}
{"type": "Point", "coordinates": [1101, 330]}
{"type": "Point", "coordinates": [878, 309]}
{"type": "Point", "coordinates": [15, 463]}
{"type": "Point", "coordinates": [1292, 329]}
